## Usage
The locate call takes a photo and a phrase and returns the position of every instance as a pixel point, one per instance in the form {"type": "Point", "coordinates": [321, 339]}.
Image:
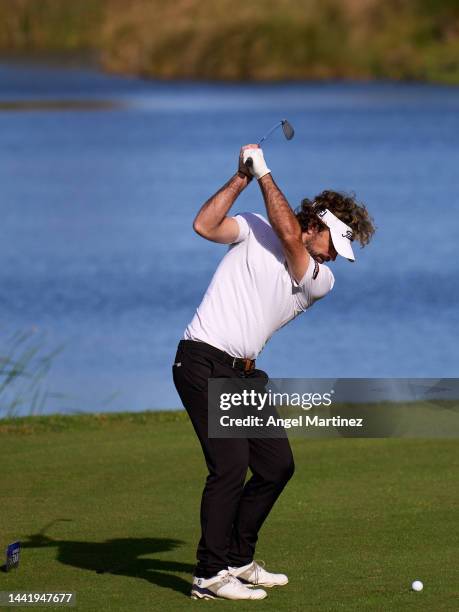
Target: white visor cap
{"type": "Point", "coordinates": [341, 234]}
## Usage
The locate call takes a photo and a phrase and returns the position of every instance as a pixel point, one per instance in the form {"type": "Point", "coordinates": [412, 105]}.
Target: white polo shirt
{"type": "Point", "coordinates": [252, 293]}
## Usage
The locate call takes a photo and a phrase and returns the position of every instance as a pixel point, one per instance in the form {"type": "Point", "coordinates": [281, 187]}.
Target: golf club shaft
{"type": "Point", "coordinates": [269, 132]}
{"type": "Point", "coordinates": [249, 161]}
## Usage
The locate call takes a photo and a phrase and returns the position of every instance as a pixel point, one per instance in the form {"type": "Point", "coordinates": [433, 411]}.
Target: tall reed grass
{"type": "Point", "coordinates": [24, 367]}
{"type": "Point", "coordinates": [234, 39]}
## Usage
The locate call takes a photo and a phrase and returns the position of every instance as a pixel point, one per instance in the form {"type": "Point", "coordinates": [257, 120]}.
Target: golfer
{"type": "Point", "coordinates": [272, 271]}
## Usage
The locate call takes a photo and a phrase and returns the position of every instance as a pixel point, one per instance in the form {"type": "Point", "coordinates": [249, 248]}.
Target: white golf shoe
{"type": "Point", "coordinates": [223, 586]}
{"type": "Point", "coordinates": [255, 574]}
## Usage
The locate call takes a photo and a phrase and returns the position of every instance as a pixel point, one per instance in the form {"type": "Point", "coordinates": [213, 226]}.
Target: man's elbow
{"type": "Point", "coordinates": [199, 228]}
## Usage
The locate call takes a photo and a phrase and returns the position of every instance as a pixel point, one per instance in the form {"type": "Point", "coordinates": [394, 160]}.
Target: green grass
{"type": "Point", "coordinates": [358, 522]}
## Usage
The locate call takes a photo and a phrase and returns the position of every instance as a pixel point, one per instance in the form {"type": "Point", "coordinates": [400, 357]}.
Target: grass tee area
{"type": "Point", "coordinates": [359, 521]}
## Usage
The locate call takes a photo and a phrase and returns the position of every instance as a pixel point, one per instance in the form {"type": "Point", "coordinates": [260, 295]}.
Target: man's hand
{"type": "Point", "coordinates": [258, 167]}
{"type": "Point", "coordinates": [242, 168]}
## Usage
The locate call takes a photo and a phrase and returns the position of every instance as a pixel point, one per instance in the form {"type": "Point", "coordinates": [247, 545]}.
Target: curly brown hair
{"type": "Point", "coordinates": [345, 207]}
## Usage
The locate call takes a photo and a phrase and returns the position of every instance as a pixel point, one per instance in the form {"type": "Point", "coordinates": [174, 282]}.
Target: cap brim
{"type": "Point", "coordinates": [342, 245]}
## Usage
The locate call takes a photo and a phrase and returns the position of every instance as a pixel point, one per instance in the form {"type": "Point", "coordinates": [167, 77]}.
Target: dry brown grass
{"type": "Point", "coordinates": [234, 39]}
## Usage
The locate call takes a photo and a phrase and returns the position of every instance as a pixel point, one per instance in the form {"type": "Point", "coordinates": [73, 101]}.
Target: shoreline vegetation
{"type": "Point", "coordinates": [87, 421]}
{"type": "Point", "coordinates": [413, 419]}
{"type": "Point", "coordinates": [263, 40]}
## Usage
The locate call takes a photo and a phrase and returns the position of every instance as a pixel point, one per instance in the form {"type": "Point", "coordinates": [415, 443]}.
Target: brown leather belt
{"type": "Point", "coordinates": [237, 363]}
{"type": "Point", "coordinates": [247, 365]}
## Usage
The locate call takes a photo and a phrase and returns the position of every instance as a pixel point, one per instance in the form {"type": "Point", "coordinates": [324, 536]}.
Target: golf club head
{"type": "Point", "coordinates": [288, 130]}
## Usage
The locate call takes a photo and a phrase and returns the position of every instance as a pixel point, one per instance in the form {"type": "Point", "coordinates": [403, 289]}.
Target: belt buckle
{"type": "Point", "coordinates": [248, 363]}
{"type": "Point", "coordinates": [248, 366]}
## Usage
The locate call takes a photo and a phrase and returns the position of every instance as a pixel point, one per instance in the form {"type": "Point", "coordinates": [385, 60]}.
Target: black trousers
{"type": "Point", "coordinates": [232, 512]}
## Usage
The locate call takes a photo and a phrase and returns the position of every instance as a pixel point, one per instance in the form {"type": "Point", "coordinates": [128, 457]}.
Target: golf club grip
{"type": "Point", "coordinates": [249, 162]}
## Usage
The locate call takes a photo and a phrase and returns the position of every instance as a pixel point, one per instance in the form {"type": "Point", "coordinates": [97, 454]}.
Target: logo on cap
{"type": "Point", "coordinates": [349, 234]}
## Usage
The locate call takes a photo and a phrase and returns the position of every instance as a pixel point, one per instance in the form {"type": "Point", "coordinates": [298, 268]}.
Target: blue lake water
{"type": "Point", "coordinates": [98, 254]}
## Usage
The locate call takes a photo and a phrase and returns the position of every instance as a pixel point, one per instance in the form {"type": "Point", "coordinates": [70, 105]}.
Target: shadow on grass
{"type": "Point", "coordinates": [120, 556]}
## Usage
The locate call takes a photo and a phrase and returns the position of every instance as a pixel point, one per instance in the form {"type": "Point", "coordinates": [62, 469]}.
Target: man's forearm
{"type": "Point", "coordinates": [281, 216]}
{"type": "Point", "coordinates": [215, 209]}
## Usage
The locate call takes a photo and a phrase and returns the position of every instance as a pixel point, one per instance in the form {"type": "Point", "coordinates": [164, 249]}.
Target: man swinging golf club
{"type": "Point", "coordinates": [272, 272]}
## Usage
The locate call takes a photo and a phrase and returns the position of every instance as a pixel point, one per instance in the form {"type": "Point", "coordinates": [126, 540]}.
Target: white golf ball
{"type": "Point", "coordinates": [417, 585]}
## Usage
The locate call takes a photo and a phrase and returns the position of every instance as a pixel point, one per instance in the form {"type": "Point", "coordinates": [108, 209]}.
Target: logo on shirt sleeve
{"type": "Point", "coordinates": [316, 271]}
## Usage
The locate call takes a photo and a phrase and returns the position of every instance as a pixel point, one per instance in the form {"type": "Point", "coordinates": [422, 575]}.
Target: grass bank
{"type": "Point", "coordinates": [258, 40]}
{"type": "Point", "coordinates": [358, 522]}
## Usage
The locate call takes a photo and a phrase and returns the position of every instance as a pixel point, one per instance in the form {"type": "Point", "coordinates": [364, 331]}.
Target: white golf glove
{"type": "Point", "coordinates": [258, 168]}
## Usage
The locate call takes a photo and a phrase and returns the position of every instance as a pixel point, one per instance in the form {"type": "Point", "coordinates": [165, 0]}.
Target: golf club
{"type": "Point", "coordinates": [287, 128]}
